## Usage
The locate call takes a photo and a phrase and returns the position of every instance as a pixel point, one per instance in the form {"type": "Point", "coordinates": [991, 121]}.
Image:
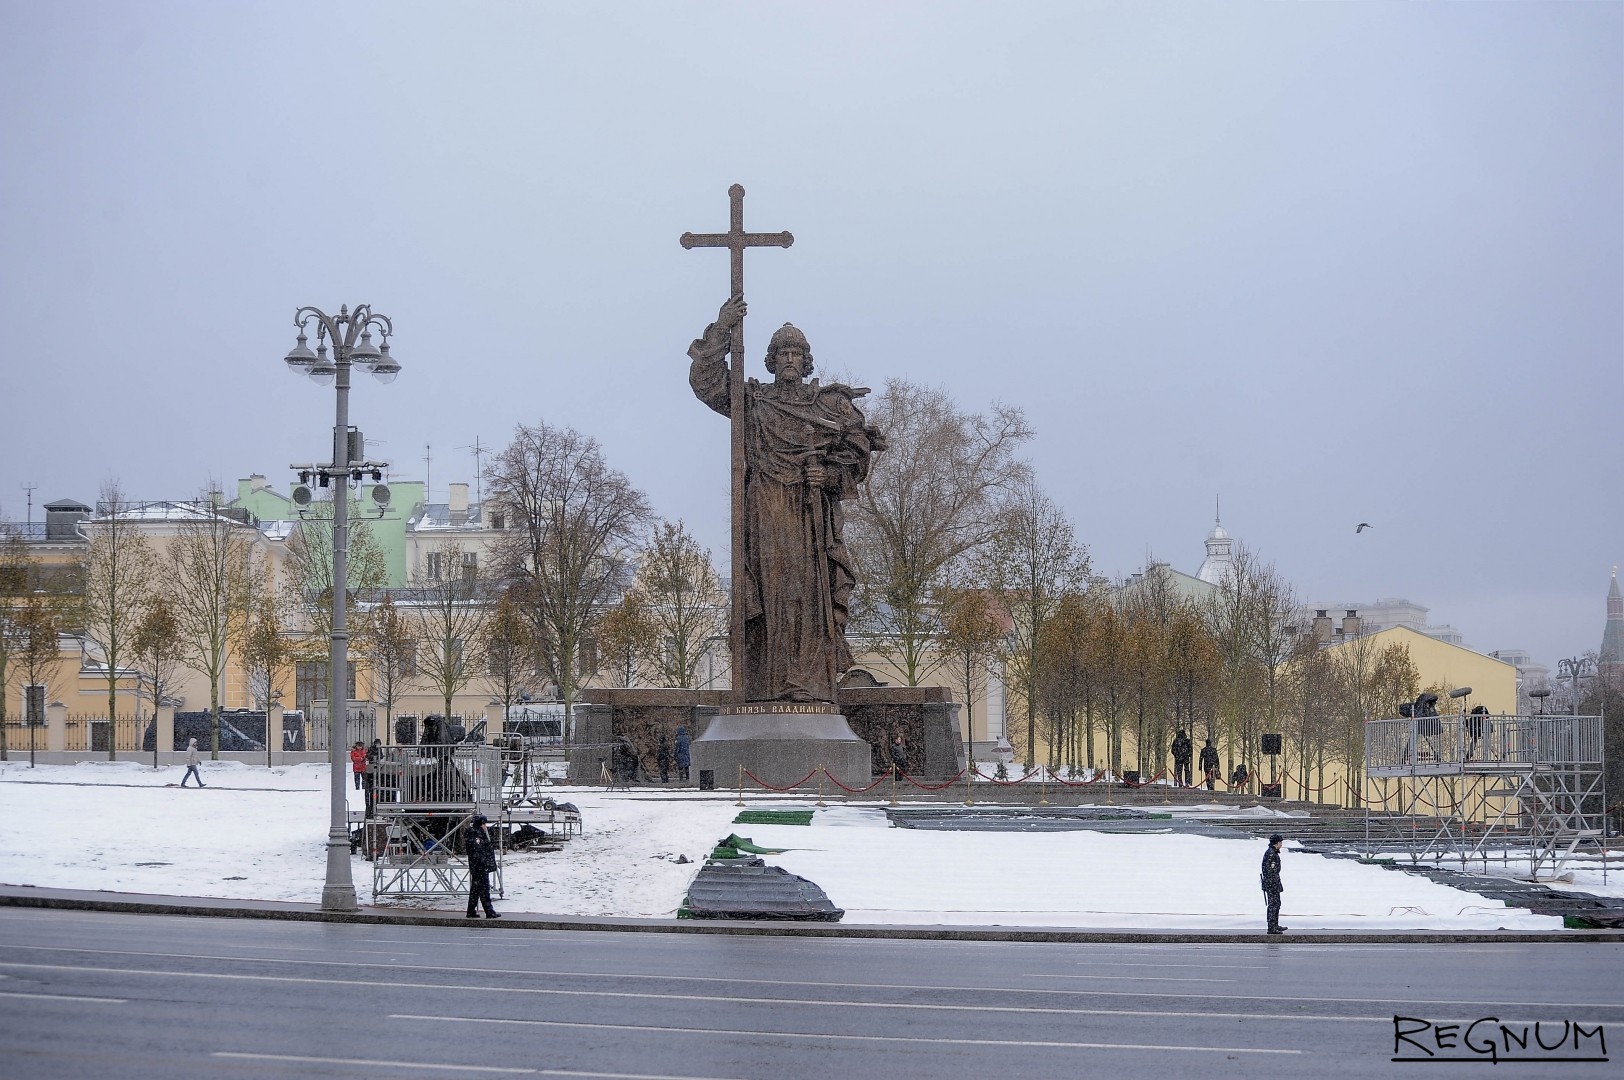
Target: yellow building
{"type": "Point", "coordinates": [1446, 666]}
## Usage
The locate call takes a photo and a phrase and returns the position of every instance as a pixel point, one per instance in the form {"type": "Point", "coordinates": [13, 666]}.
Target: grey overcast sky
{"type": "Point", "coordinates": [1332, 263]}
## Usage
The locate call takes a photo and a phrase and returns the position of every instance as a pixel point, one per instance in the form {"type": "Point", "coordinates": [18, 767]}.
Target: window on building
{"type": "Point", "coordinates": [432, 565]}
{"type": "Point", "coordinates": [470, 566]}
{"type": "Point", "coordinates": [498, 521]}
{"type": "Point", "coordinates": [310, 683]}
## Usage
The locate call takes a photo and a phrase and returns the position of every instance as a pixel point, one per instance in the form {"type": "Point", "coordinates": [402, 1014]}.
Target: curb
{"type": "Point", "coordinates": [202, 907]}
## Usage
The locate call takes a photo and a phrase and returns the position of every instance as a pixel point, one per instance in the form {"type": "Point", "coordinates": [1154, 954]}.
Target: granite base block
{"type": "Point", "coordinates": [780, 749]}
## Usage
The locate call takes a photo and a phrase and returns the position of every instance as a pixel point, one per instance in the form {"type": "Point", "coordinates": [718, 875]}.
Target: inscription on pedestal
{"type": "Point", "coordinates": [775, 708]}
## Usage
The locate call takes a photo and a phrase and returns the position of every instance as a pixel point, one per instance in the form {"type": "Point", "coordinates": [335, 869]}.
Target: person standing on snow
{"type": "Point", "coordinates": [1272, 888]}
{"type": "Point", "coordinates": [681, 754]}
{"type": "Point", "coordinates": [358, 762]}
{"type": "Point", "coordinates": [476, 841]}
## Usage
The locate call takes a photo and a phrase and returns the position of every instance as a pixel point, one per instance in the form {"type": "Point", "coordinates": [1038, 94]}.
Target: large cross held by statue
{"type": "Point", "coordinates": [736, 240]}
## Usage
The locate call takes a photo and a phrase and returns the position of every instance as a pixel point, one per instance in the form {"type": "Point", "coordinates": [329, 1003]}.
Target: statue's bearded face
{"type": "Point", "coordinates": [791, 363]}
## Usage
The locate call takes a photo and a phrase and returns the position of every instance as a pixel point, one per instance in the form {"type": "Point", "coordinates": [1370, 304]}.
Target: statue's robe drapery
{"type": "Point", "coordinates": [798, 574]}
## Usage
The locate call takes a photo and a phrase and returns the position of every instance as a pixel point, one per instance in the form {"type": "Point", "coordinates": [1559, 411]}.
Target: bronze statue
{"type": "Point", "coordinates": [806, 448]}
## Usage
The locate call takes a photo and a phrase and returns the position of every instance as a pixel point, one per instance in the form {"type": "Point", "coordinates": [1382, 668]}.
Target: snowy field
{"type": "Point", "coordinates": [258, 833]}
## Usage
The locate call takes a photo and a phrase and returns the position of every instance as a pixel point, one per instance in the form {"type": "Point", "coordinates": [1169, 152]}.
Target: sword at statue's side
{"type": "Point", "coordinates": [736, 240]}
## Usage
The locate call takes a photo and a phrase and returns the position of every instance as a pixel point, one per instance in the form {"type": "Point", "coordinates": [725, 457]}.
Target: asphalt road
{"type": "Point", "coordinates": [96, 994]}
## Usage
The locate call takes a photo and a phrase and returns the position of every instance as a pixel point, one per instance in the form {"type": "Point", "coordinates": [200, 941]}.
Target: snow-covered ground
{"type": "Point", "coordinates": [258, 833]}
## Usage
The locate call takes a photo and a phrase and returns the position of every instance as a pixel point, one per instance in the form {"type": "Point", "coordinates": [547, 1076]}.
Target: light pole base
{"type": "Point", "coordinates": [338, 892]}
{"type": "Point", "coordinates": [338, 898]}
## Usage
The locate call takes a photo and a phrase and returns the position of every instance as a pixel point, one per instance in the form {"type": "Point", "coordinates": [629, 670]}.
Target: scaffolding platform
{"type": "Point", "coordinates": [1481, 788]}
{"type": "Point", "coordinates": [420, 798]}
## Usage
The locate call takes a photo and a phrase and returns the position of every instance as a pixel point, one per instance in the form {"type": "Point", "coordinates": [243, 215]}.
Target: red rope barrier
{"type": "Point", "coordinates": [1006, 783]}
{"type": "Point", "coordinates": [855, 790]}
{"type": "Point", "coordinates": [938, 787]}
{"type": "Point", "coordinates": [792, 787]}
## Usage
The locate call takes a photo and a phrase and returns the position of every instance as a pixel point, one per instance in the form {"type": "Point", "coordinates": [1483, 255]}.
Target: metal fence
{"type": "Point", "coordinates": [98, 734]}
{"type": "Point", "coordinates": [360, 727]}
{"type": "Point", "coordinates": [1453, 743]}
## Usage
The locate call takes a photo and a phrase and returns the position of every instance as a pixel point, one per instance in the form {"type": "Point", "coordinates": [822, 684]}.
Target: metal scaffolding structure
{"type": "Point", "coordinates": [1482, 788]}
{"type": "Point", "coordinates": [420, 798]}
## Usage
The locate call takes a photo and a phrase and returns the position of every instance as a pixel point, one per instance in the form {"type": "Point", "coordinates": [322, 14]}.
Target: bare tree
{"type": "Point", "coordinates": [118, 569]}
{"type": "Point", "coordinates": [933, 497]}
{"type": "Point", "coordinates": [1271, 635]}
{"type": "Point", "coordinates": [1064, 681]}
{"type": "Point", "coordinates": [309, 572]}
{"type": "Point", "coordinates": [207, 568]}
{"type": "Point", "coordinates": [262, 640]}
{"type": "Point", "coordinates": [1031, 562]}
{"type": "Point", "coordinates": [156, 648]}
{"type": "Point", "coordinates": [574, 523]}
{"type": "Point", "coordinates": [628, 641]}
{"type": "Point", "coordinates": [17, 572]}
{"type": "Point", "coordinates": [449, 611]}
{"type": "Point", "coordinates": [971, 634]}
{"type": "Point", "coordinates": [36, 645]}
{"type": "Point", "coordinates": [390, 647]}
{"type": "Point", "coordinates": [1231, 612]}
{"type": "Point", "coordinates": [683, 595]}
{"type": "Point", "coordinates": [510, 648]}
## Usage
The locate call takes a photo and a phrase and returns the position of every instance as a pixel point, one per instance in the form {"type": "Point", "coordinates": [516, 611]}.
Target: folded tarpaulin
{"type": "Point", "coordinates": [752, 890]}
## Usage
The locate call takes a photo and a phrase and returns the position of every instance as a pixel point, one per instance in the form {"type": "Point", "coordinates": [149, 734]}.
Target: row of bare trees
{"type": "Point", "coordinates": [967, 565]}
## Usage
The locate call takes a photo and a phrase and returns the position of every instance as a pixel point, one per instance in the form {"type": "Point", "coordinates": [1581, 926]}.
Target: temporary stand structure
{"type": "Point", "coordinates": [1477, 788]}
{"type": "Point", "coordinates": [420, 799]}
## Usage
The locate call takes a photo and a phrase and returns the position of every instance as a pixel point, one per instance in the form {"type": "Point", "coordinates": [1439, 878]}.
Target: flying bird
{"type": "Point", "coordinates": [1363, 525]}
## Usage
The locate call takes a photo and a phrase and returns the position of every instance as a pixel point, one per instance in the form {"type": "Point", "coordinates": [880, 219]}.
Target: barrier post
{"type": "Point", "coordinates": [969, 778]}
{"type": "Point", "coordinates": [822, 771]}
{"type": "Point", "coordinates": [741, 785]}
{"type": "Point", "coordinates": [893, 785]}
{"type": "Point", "coordinates": [1043, 785]}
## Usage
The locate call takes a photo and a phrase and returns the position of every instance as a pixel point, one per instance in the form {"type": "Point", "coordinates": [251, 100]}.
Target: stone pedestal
{"type": "Point", "coordinates": [780, 743]}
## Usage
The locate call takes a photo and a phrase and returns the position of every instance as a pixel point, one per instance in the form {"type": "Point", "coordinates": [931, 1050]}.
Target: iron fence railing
{"type": "Point", "coordinates": [98, 734]}
{"type": "Point", "coordinates": [1447, 742]}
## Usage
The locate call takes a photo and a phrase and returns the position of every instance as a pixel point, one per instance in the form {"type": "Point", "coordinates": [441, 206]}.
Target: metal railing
{"type": "Point", "coordinates": [1472, 743]}
{"type": "Point", "coordinates": [98, 734]}
{"type": "Point", "coordinates": [462, 773]}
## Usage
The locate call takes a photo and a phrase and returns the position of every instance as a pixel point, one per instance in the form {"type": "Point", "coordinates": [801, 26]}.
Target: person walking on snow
{"type": "Point", "coordinates": [1209, 763]}
{"type": "Point", "coordinates": [193, 759]}
{"type": "Point", "coordinates": [1272, 888]}
{"type": "Point", "coordinates": [476, 841]}
{"type": "Point", "coordinates": [1182, 752]}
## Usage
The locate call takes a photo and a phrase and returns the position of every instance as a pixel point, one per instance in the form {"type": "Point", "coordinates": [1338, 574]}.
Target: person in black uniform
{"type": "Point", "coordinates": [1209, 763]}
{"type": "Point", "coordinates": [1272, 888]}
{"type": "Point", "coordinates": [481, 864]}
{"type": "Point", "coordinates": [1182, 752]}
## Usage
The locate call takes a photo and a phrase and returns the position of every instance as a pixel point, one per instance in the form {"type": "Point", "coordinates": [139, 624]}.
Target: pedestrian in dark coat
{"type": "Point", "coordinates": [1182, 753]}
{"type": "Point", "coordinates": [193, 759]}
{"type": "Point", "coordinates": [681, 755]}
{"type": "Point", "coordinates": [899, 757]}
{"type": "Point", "coordinates": [481, 850]}
{"type": "Point", "coordinates": [1209, 763]}
{"type": "Point", "coordinates": [662, 758]}
{"type": "Point", "coordinates": [1272, 888]}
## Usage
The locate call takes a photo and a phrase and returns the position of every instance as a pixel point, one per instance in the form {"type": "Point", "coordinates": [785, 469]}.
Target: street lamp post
{"type": "Point", "coordinates": [1573, 669]}
{"type": "Point", "coordinates": [351, 337]}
